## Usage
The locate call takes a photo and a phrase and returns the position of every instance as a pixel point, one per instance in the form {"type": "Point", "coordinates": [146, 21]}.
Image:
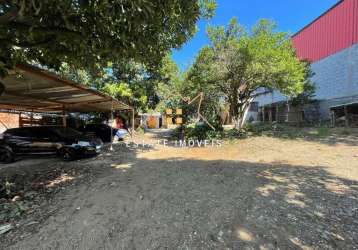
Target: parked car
{"type": "Point", "coordinates": [65, 142]}
{"type": "Point", "coordinates": [102, 131]}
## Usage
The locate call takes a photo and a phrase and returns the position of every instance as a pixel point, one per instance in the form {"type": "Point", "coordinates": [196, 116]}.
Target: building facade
{"type": "Point", "coordinates": [330, 43]}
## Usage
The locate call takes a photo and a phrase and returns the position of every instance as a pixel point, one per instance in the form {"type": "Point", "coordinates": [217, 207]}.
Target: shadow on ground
{"type": "Point", "coordinates": [177, 203]}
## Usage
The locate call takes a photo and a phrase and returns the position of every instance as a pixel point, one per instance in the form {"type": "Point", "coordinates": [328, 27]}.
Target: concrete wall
{"type": "Point", "coordinates": [336, 79]}
{"type": "Point", "coordinates": [337, 75]}
{"type": "Point", "coordinates": [270, 98]}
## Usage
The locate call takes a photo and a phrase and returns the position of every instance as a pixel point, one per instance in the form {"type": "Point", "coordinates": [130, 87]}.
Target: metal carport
{"type": "Point", "coordinates": [32, 89]}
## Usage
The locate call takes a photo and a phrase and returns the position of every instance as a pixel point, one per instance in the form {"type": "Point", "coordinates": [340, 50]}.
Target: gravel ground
{"type": "Point", "coordinates": [256, 193]}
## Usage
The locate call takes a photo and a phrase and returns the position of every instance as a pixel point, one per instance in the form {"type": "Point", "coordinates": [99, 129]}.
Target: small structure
{"type": "Point", "coordinates": [281, 112]}
{"type": "Point", "coordinates": [151, 120]}
{"type": "Point", "coordinates": [345, 115]}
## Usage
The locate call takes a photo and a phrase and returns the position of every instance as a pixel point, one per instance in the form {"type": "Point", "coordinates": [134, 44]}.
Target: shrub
{"type": "Point", "coordinates": [260, 128]}
{"type": "Point", "coordinates": [234, 134]}
{"type": "Point", "coordinates": [195, 131]}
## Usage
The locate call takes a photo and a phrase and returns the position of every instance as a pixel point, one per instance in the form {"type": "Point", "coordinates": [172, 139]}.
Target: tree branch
{"type": "Point", "coordinates": [49, 29]}
{"type": "Point", "coordinates": [27, 44]}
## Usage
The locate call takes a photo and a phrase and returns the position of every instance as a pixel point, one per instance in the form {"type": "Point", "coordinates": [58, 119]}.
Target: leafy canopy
{"type": "Point", "coordinates": [88, 33]}
{"type": "Point", "coordinates": [130, 81]}
{"type": "Point", "coordinates": [240, 64]}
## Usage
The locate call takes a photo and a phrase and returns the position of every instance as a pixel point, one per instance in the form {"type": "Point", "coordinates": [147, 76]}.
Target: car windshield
{"type": "Point", "coordinates": [67, 132]}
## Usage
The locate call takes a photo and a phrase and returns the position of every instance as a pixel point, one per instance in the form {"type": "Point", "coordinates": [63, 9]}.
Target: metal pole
{"type": "Point", "coordinates": [333, 118]}
{"type": "Point", "coordinates": [270, 114]}
{"type": "Point", "coordinates": [288, 112]}
{"type": "Point", "coordinates": [20, 123]}
{"type": "Point", "coordinates": [346, 116]}
{"type": "Point", "coordinates": [132, 121]}
{"type": "Point", "coordinates": [31, 117]}
{"type": "Point", "coordinates": [111, 148]}
{"type": "Point", "coordinates": [64, 121]}
{"type": "Point", "coordinates": [277, 107]}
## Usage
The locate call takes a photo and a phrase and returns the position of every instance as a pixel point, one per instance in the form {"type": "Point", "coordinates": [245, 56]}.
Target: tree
{"type": "Point", "coordinates": [241, 65]}
{"type": "Point", "coordinates": [200, 78]}
{"type": "Point", "coordinates": [169, 86]}
{"type": "Point", "coordinates": [87, 34]}
{"type": "Point", "coordinates": [141, 82]}
{"type": "Point", "coordinates": [309, 89]}
{"type": "Point", "coordinates": [129, 81]}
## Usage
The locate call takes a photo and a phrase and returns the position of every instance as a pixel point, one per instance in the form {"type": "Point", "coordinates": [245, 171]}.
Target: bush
{"type": "Point", "coordinates": [261, 128]}
{"type": "Point", "coordinates": [204, 132]}
{"type": "Point", "coordinates": [199, 132]}
{"type": "Point", "coordinates": [322, 132]}
{"type": "Point", "coordinates": [195, 131]}
{"type": "Point", "coordinates": [234, 134]}
{"type": "Point", "coordinates": [140, 130]}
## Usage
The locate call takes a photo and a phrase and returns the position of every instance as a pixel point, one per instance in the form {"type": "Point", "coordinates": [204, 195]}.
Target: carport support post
{"type": "Point", "coordinates": [333, 118]}
{"type": "Point", "coordinates": [64, 120]}
{"type": "Point", "coordinates": [346, 116]}
{"type": "Point", "coordinates": [132, 121]}
{"type": "Point", "coordinates": [111, 148]}
{"type": "Point", "coordinates": [288, 111]}
{"type": "Point", "coordinates": [277, 107]}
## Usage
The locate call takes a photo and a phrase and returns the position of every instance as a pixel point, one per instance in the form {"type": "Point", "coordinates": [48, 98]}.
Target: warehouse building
{"type": "Point", "coordinates": [330, 43]}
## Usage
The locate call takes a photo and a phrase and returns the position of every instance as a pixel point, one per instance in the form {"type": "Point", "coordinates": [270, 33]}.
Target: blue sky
{"type": "Point", "coordinates": [290, 15]}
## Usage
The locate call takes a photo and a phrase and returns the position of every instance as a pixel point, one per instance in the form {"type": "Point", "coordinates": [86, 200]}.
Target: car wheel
{"type": "Point", "coordinates": [6, 155]}
{"type": "Point", "coordinates": [67, 154]}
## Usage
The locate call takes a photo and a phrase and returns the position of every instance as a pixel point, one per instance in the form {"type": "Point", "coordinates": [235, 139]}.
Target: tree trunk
{"type": "Point", "coordinates": [240, 116]}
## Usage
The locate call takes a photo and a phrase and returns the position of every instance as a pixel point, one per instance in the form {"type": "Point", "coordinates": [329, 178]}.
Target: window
{"type": "Point", "coordinates": [22, 132]}
{"type": "Point", "coordinates": [41, 132]}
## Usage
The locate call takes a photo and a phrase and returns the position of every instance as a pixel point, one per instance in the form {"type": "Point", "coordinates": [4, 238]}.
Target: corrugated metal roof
{"type": "Point", "coordinates": [332, 32]}
{"type": "Point", "coordinates": [34, 89]}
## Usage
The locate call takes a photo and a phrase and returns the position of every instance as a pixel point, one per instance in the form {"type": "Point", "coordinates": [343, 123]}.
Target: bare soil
{"type": "Point", "coordinates": [256, 193]}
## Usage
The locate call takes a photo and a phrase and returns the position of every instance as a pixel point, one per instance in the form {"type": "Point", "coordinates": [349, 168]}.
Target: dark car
{"type": "Point", "coordinates": [65, 142]}
{"type": "Point", "coordinates": [102, 131]}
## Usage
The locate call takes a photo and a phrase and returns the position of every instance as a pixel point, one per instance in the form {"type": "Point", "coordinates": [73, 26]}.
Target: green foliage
{"type": "Point", "coordinates": [117, 89]}
{"type": "Point", "coordinates": [234, 134]}
{"type": "Point", "coordinates": [322, 132]}
{"type": "Point", "coordinates": [76, 75]}
{"type": "Point", "coordinates": [208, 8]}
{"type": "Point", "coordinates": [140, 82]}
{"type": "Point", "coordinates": [263, 128]}
{"type": "Point", "coordinates": [238, 65]}
{"type": "Point", "coordinates": [89, 34]}
{"type": "Point", "coordinates": [201, 78]}
{"type": "Point", "coordinates": [285, 131]}
{"type": "Point", "coordinates": [140, 130]}
{"type": "Point", "coordinates": [169, 86]}
{"type": "Point", "coordinates": [11, 210]}
{"type": "Point", "coordinates": [201, 132]}
{"type": "Point", "coordinates": [8, 187]}
{"type": "Point", "coordinates": [309, 89]}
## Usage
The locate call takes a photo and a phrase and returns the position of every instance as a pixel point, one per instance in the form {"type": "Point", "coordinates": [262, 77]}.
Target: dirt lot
{"type": "Point", "coordinates": [256, 193]}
